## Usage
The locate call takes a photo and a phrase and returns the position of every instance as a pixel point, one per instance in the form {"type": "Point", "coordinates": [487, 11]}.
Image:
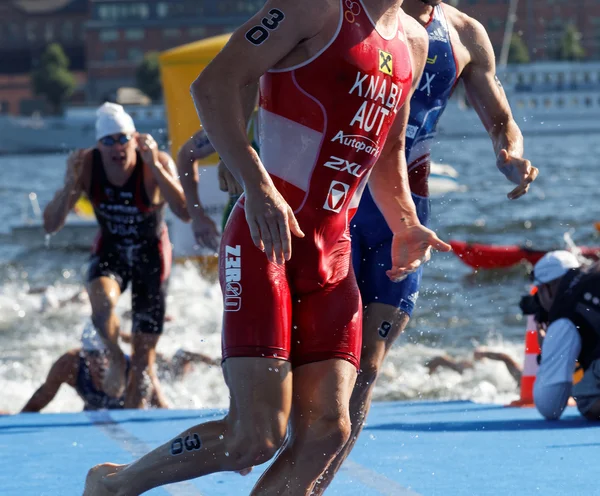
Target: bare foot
{"type": "Point", "coordinates": [95, 482]}
{"type": "Point", "coordinates": [244, 471]}
{"type": "Point", "coordinates": [114, 381]}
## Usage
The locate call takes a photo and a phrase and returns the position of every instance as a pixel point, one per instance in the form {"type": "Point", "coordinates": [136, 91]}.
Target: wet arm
{"type": "Point", "coordinates": [64, 199]}
{"type": "Point", "coordinates": [60, 373]}
{"type": "Point", "coordinates": [165, 175]}
{"type": "Point", "coordinates": [218, 91]}
{"type": "Point", "coordinates": [489, 100]}
{"type": "Point", "coordinates": [389, 178]}
{"type": "Point", "coordinates": [199, 147]}
{"type": "Point", "coordinates": [486, 94]}
{"type": "Point", "coordinates": [448, 362]}
{"type": "Point", "coordinates": [513, 367]}
{"type": "Point", "coordinates": [196, 148]}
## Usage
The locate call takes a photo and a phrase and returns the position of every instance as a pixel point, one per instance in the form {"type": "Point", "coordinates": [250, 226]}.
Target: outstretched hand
{"type": "Point", "coordinates": [411, 248]}
{"type": "Point", "coordinates": [271, 221]}
{"type": "Point", "coordinates": [518, 171]}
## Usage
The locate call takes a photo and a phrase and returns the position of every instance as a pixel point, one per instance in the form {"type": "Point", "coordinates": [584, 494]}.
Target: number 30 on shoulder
{"type": "Point", "coordinates": [260, 33]}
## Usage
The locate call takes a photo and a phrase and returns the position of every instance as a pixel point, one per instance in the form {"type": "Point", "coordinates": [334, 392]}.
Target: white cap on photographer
{"type": "Point", "coordinates": [553, 265]}
{"type": "Point", "coordinates": [111, 118]}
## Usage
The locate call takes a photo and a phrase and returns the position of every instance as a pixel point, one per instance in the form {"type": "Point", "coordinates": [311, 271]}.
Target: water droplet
{"type": "Point", "coordinates": [227, 453]}
{"type": "Point", "coordinates": [221, 437]}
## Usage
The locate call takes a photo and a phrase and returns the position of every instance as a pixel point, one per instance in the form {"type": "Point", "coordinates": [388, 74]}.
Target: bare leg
{"type": "Point", "coordinates": [104, 293]}
{"type": "Point", "coordinates": [320, 426]}
{"type": "Point", "coordinates": [142, 376]}
{"type": "Point", "coordinates": [252, 432]}
{"type": "Point", "coordinates": [375, 349]}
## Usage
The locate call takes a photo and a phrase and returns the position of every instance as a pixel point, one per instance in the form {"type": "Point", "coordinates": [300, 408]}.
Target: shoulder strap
{"type": "Point", "coordinates": [138, 184]}
{"type": "Point", "coordinates": [98, 176]}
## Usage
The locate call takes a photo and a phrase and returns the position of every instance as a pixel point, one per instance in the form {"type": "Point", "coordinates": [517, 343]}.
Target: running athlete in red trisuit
{"type": "Point", "coordinates": [335, 76]}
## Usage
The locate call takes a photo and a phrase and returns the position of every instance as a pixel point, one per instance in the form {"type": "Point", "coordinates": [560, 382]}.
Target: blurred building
{"type": "Point", "coordinates": [121, 31]}
{"type": "Point", "coordinates": [541, 23]}
{"type": "Point", "coordinates": [26, 28]}
{"type": "Point", "coordinates": [105, 40]}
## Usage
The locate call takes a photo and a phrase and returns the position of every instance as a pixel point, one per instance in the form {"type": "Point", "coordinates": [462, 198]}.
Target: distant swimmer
{"type": "Point", "coordinates": [197, 148]}
{"type": "Point", "coordinates": [129, 182]}
{"type": "Point", "coordinates": [334, 77]}
{"type": "Point", "coordinates": [459, 48]}
{"type": "Point", "coordinates": [84, 368]}
{"type": "Point", "coordinates": [445, 361]}
{"type": "Point", "coordinates": [460, 365]}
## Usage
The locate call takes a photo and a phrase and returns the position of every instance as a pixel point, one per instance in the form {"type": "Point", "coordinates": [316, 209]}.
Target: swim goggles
{"type": "Point", "coordinates": [123, 139]}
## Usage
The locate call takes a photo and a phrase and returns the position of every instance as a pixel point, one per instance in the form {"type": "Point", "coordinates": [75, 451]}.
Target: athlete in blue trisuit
{"type": "Point", "coordinates": [459, 47]}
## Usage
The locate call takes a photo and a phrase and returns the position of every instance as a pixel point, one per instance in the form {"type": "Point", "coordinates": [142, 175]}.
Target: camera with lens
{"type": "Point", "coordinates": [531, 305]}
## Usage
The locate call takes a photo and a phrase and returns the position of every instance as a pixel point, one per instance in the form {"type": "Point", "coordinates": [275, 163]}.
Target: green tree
{"type": "Point", "coordinates": [52, 78]}
{"type": "Point", "coordinates": [570, 47]}
{"type": "Point", "coordinates": [147, 76]}
{"type": "Point", "coordinates": [517, 51]}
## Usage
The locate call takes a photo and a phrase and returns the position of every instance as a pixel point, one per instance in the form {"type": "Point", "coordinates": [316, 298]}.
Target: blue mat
{"type": "Point", "coordinates": [407, 449]}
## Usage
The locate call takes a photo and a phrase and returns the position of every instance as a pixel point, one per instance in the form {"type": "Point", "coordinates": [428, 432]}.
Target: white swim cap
{"type": "Point", "coordinates": [553, 265]}
{"type": "Point", "coordinates": [112, 119]}
{"type": "Point", "coordinates": [90, 339]}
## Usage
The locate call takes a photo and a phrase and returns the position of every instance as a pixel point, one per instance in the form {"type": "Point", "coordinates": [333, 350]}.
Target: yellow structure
{"type": "Point", "coordinates": [179, 67]}
{"type": "Point", "coordinates": [84, 208]}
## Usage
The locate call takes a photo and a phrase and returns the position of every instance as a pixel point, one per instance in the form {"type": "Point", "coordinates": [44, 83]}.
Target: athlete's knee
{"type": "Point", "coordinates": [103, 310]}
{"type": "Point", "coordinates": [329, 432]}
{"type": "Point", "coordinates": [102, 319]}
{"type": "Point", "coordinates": [256, 443]}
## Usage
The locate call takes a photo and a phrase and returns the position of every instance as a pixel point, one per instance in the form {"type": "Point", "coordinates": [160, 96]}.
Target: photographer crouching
{"type": "Point", "coordinates": [569, 297]}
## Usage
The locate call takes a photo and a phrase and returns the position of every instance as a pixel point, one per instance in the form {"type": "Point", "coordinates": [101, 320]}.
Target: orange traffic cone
{"type": "Point", "coordinates": [530, 367]}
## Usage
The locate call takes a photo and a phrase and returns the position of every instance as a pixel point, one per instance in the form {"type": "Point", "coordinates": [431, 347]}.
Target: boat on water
{"type": "Point", "coordinates": [545, 98]}
{"type": "Point", "coordinates": [490, 256]}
